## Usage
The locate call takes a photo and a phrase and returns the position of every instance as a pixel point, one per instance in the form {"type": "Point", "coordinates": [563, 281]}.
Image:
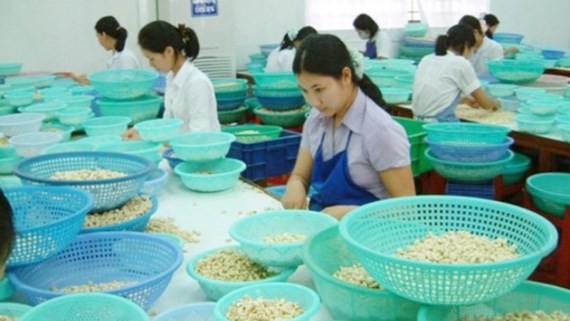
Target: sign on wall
{"type": "Point", "coordinates": [203, 8]}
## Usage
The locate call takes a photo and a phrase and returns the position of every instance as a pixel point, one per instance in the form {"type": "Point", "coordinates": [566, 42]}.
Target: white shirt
{"type": "Point", "coordinates": [190, 96]}
{"type": "Point", "coordinates": [383, 44]}
{"type": "Point", "coordinates": [438, 82]}
{"type": "Point", "coordinates": [489, 50]}
{"type": "Point", "coordinates": [125, 59]}
{"type": "Point", "coordinates": [280, 60]}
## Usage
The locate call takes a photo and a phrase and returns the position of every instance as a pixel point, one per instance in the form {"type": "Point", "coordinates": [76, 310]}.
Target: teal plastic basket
{"type": "Point", "coordinates": [48, 109]}
{"type": "Point", "coordinates": [550, 192]}
{"type": "Point", "coordinates": [324, 254]}
{"type": "Point", "coordinates": [529, 296]}
{"type": "Point", "coordinates": [159, 130]}
{"type": "Point", "coordinates": [148, 150]}
{"type": "Point", "coordinates": [250, 232]}
{"type": "Point", "coordinates": [466, 133]}
{"type": "Point", "coordinates": [377, 230]}
{"type": "Point", "coordinates": [64, 130]}
{"type": "Point", "coordinates": [6, 291]}
{"type": "Point", "coordinates": [525, 93]}
{"type": "Point", "coordinates": [68, 147]}
{"type": "Point", "coordinates": [19, 98]}
{"type": "Point", "coordinates": [215, 289]}
{"type": "Point", "coordinates": [464, 172]}
{"type": "Point", "coordinates": [233, 116]}
{"type": "Point", "coordinates": [74, 116]}
{"type": "Point", "coordinates": [139, 109]}
{"type": "Point", "coordinates": [230, 87]}
{"type": "Point", "coordinates": [275, 80]}
{"type": "Point", "coordinates": [534, 124]}
{"type": "Point", "coordinates": [201, 311]}
{"type": "Point", "coordinates": [305, 297]}
{"type": "Point", "coordinates": [501, 90]}
{"type": "Point", "coordinates": [516, 71]}
{"type": "Point", "coordinates": [253, 133]}
{"type": "Point", "coordinates": [10, 69]}
{"type": "Point", "coordinates": [76, 100]}
{"type": "Point", "coordinates": [202, 146]}
{"type": "Point", "coordinates": [396, 95]}
{"type": "Point", "coordinates": [213, 176]}
{"type": "Point", "coordinates": [100, 140]}
{"type": "Point", "coordinates": [106, 125]}
{"type": "Point", "coordinates": [14, 310]}
{"type": "Point", "coordinates": [122, 84]}
{"type": "Point", "coordinates": [515, 169]}
{"type": "Point", "coordinates": [7, 164]}
{"type": "Point", "coordinates": [87, 306]}
{"type": "Point", "coordinates": [287, 118]}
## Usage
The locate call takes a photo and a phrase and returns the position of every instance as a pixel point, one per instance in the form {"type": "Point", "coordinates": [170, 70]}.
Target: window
{"type": "Point", "coordinates": [339, 14]}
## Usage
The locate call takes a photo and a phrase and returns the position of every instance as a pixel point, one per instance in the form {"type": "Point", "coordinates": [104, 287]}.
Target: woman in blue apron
{"type": "Point", "coordinates": [446, 78]}
{"type": "Point", "coordinates": [352, 152]}
{"type": "Point", "coordinates": [378, 42]}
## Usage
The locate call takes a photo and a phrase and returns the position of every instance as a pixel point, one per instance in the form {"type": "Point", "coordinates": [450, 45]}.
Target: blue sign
{"type": "Point", "coordinates": [201, 8]}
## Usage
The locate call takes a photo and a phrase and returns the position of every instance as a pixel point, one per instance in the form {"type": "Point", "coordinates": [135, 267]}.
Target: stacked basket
{"type": "Point", "coordinates": [281, 99]}
{"type": "Point", "coordinates": [467, 152]}
{"type": "Point", "coordinates": [230, 97]}
{"type": "Point", "coordinates": [415, 45]}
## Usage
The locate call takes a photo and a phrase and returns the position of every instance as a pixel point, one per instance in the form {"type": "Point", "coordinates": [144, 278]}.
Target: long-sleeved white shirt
{"type": "Point", "coordinates": [125, 59]}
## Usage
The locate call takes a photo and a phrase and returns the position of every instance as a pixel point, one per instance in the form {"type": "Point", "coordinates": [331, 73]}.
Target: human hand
{"type": "Point", "coordinates": [295, 197]}
{"type": "Point", "coordinates": [470, 101]}
{"type": "Point", "coordinates": [81, 78]}
{"type": "Point", "coordinates": [131, 134]}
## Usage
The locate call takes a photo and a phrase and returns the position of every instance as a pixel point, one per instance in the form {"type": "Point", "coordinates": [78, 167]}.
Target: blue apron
{"type": "Point", "coordinates": [371, 50]}
{"type": "Point", "coordinates": [332, 182]}
{"type": "Point", "coordinates": [447, 115]}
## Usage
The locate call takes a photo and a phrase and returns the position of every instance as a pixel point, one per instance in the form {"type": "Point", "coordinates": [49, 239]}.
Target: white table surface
{"type": "Point", "coordinates": [211, 214]}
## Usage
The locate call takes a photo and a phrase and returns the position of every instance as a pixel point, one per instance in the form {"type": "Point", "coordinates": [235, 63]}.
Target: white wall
{"type": "Point", "coordinates": [59, 35]}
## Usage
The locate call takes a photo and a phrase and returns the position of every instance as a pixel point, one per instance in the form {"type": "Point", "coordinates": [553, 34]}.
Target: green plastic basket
{"type": "Point", "coordinates": [416, 134]}
{"type": "Point", "coordinates": [515, 169]}
{"type": "Point", "coordinates": [550, 192]}
{"type": "Point", "coordinates": [377, 230]}
{"type": "Point", "coordinates": [286, 119]}
{"type": "Point", "coordinates": [230, 87]}
{"type": "Point", "coordinates": [529, 296]}
{"type": "Point", "coordinates": [253, 133]}
{"type": "Point", "coordinates": [233, 116]}
{"type": "Point", "coordinates": [466, 133]}
{"type": "Point", "coordinates": [324, 254]}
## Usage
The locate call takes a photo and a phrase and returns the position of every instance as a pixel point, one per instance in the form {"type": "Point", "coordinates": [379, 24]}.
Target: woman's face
{"type": "Point", "coordinates": [105, 41]}
{"type": "Point", "coordinates": [363, 34]}
{"type": "Point", "coordinates": [162, 62]}
{"type": "Point", "coordinates": [325, 93]}
{"type": "Point", "coordinates": [494, 28]}
{"type": "Point", "coordinates": [468, 51]}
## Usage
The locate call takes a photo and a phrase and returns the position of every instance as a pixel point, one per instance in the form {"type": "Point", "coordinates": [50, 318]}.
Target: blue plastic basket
{"type": "Point", "coordinates": [529, 296]}
{"type": "Point", "coordinates": [466, 133]}
{"type": "Point", "coordinates": [377, 230]}
{"type": "Point", "coordinates": [504, 37]}
{"type": "Point", "coordinates": [550, 192]}
{"type": "Point", "coordinates": [470, 153]}
{"type": "Point", "coordinates": [121, 84]}
{"type": "Point", "coordinates": [553, 54]}
{"type": "Point", "coordinates": [213, 176]}
{"type": "Point", "coordinates": [281, 103]}
{"type": "Point", "coordinates": [14, 310]}
{"type": "Point", "coordinates": [230, 103]}
{"type": "Point", "coordinates": [215, 289]}
{"type": "Point", "coordinates": [251, 230]}
{"type": "Point", "coordinates": [107, 193]}
{"type": "Point", "coordinates": [155, 182]}
{"type": "Point", "coordinates": [324, 254]}
{"type": "Point", "coordinates": [202, 311]}
{"type": "Point", "coordinates": [305, 297]}
{"type": "Point", "coordinates": [464, 172]}
{"type": "Point", "coordinates": [88, 306]}
{"type": "Point", "coordinates": [147, 260]}
{"type": "Point", "coordinates": [135, 225]}
{"type": "Point", "coordinates": [47, 220]}
{"type": "Point", "coordinates": [202, 146]}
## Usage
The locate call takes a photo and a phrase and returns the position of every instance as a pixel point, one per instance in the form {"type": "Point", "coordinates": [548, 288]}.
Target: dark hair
{"type": "Point", "coordinates": [327, 55]}
{"type": "Point", "coordinates": [472, 22]}
{"type": "Point", "coordinates": [301, 34]}
{"type": "Point", "coordinates": [458, 38]}
{"type": "Point", "coordinates": [158, 35]}
{"type": "Point", "coordinates": [490, 20]}
{"type": "Point", "coordinates": [365, 22]}
{"type": "Point", "coordinates": [7, 232]}
{"type": "Point", "coordinates": [111, 27]}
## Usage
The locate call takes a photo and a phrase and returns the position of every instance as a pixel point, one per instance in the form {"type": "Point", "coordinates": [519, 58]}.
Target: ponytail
{"type": "Point", "coordinates": [110, 26]}
{"type": "Point", "coordinates": [121, 39]}
{"type": "Point", "coordinates": [286, 43]}
{"type": "Point", "coordinates": [441, 45]}
{"type": "Point", "coordinates": [191, 45]}
{"type": "Point", "coordinates": [372, 91]}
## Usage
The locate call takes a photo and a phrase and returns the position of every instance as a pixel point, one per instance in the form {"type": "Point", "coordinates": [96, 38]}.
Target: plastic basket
{"type": "Point", "coordinates": [10, 69]}
{"type": "Point", "coordinates": [281, 103]}
{"type": "Point", "coordinates": [396, 95]}
{"type": "Point", "coordinates": [215, 289]}
{"type": "Point", "coordinates": [305, 297]}
{"type": "Point", "coordinates": [88, 306]}
{"type": "Point", "coordinates": [143, 108]}
{"type": "Point", "coordinates": [100, 140]}
{"type": "Point", "coordinates": [106, 125]}
{"type": "Point", "coordinates": [170, 157]}
{"type": "Point", "coordinates": [266, 49]}
{"type": "Point", "coordinates": [16, 124]}
{"type": "Point", "coordinates": [107, 193]}
{"type": "Point", "coordinates": [416, 29]}
{"type": "Point", "coordinates": [553, 54]}
{"type": "Point", "coordinates": [250, 231]}
{"type": "Point", "coordinates": [252, 133]}
{"type": "Point", "coordinates": [233, 116]}
{"type": "Point", "coordinates": [467, 133]}
{"type": "Point", "coordinates": [19, 98]}
{"type": "Point", "coordinates": [289, 118]}
{"type": "Point", "coordinates": [13, 310]}
{"type": "Point", "coordinates": [159, 130]}
{"type": "Point", "coordinates": [123, 84]}
{"type": "Point", "coordinates": [146, 260]}
{"type": "Point", "coordinates": [416, 134]}
{"type": "Point", "coordinates": [501, 90]}
{"type": "Point", "coordinates": [275, 80]}
{"type": "Point", "coordinates": [46, 219]}
{"type": "Point", "coordinates": [463, 172]}
{"type": "Point", "coordinates": [76, 100]}
{"type": "Point", "coordinates": [7, 164]}
{"type": "Point", "coordinates": [377, 230]}
{"type": "Point", "coordinates": [68, 147]}
{"type": "Point", "coordinates": [415, 52]}
{"type": "Point", "coordinates": [135, 225]}
{"type": "Point", "coordinates": [486, 190]}
{"type": "Point", "coordinates": [202, 311]}
{"type": "Point", "coordinates": [230, 103]}
{"type": "Point", "coordinates": [516, 71]}
{"type": "Point", "coordinates": [148, 150]}
{"type": "Point", "coordinates": [525, 93]}
{"type": "Point", "coordinates": [6, 291]}
{"type": "Point", "coordinates": [529, 296]}
{"type": "Point", "coordinates": [515, 169]}
{"type": "Point", "coordinates": [75, 115]}
{"type": "Point", "coordinates": [230, 87]}
{"type": "Point", "coordinates": [550, 192]}
{"type": "Point", "coordinates": [64, 130]}
{"type": "Point", "coordinates": [324, 254]}
{"type": "Point", "coordinates": [543, 107]}
{"type": "Point", "coordinates": [470, 153]}
{"type": "Point", "coordinates": [509, 104]}
{"type": "Point", "coordinates": [213, 176]}
{"type": "Point", "coordinates": [504, 37]}
{"type": "Point", "coordinates": [32, 144]}
{"type": "Point", "coordinates": [6, 109]}
{"type": "Point", "coordinates": [534, 124]}
{"type": "Point", "coordinates": [268, 158]}
{"type": "Point", "coordinates": [565, 132]}
{"type": "Point", "coordinates": [202, 146]}
{"type": "Point", "coordinates": [155, 182]}
{"type": "Point", "coordinates": [48, 109]}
